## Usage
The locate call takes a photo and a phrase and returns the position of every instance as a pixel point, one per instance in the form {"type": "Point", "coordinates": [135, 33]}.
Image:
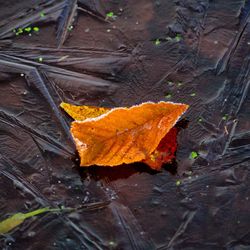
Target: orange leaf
{"type": "Point", "coordinates": [125, 135]}
{"type": "Point", "coordinates": [81, 113]}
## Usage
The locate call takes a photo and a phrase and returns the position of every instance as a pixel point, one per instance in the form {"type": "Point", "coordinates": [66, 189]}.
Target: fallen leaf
{"type": "Point", "coordinates": [124, 135]}
{"type": "Point", "coordinates": [18, 218]}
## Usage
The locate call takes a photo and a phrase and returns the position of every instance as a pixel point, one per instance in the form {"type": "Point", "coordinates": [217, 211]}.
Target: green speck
{"type": "Point", "coordinates": [178, 183]}
{"type": "Point", "coordinates": [178, 38]}
{"type": "Point", "coordinates": [157, 42]}
{"type": "Point", "coordinates": [200, 120]}
{"type": "Point", "coordinates": [168, 38]}
{"type": "Point", "coordinates": [42, 14]}
{"type": "Point", "coordinates": [36, 29]}
{"type": "Point", "coordinates": [70, 27]}
{"type": "Point", "coordinates": [192, 94]}
{"type": "Point", "coordinates": [193, 155]}
{"type": "Point", "coordinates": [110, 14]}
{"type": "Point", "coordinates": [170, 83]}
{"type": "Point", "coordinates": [14, 30]}
{"type": "Point", "coordinates": [225, 117]}
{"type": "Point", "coordinates": [40, 59]}
{"type": "Point", "coordinates": [168, 96]}
{"type": "Point", "coordinates": [28, 29]}
{"type": "Point", "coordinates": [19, 31]}
{"type": "Point", "coordinates": [179, 84]}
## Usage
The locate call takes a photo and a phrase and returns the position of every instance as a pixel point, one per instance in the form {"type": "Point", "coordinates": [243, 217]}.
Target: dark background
{"type": "Point", "coordinates": [203, 59]}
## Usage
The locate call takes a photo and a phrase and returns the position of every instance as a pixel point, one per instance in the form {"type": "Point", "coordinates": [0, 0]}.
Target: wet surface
{"type": "Point", "coordinates": [196, 52]}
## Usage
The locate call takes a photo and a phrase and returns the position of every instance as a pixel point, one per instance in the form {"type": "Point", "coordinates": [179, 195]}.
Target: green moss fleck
{"type": "Point", "coordinates": [28, 29]}
{"type": "Point", "coordinates": [225, 117]}
{"type": "Point", "coordinates": [36, 29]}
{"type": "Point", "coordinates": [178, 38]}
{"type": "Point", "coordinates": [19, 31]}
{"type": "Point", "coordinates": [157, 42]}
{"type": "Point", "coordinates": [178, 183]}
{"type": "Point", "coordinates": [168, 96]}
{"type": "Point", "coordinates": [193, 155]}
{"type": "Point", "coordinates": [110, 14]}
